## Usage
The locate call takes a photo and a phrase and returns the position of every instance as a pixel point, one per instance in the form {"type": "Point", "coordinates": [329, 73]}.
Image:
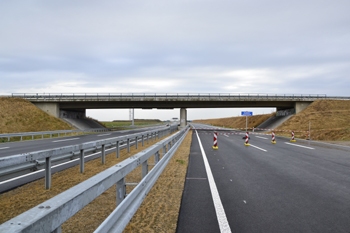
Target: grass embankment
{"type": "Point", "coordinates": [237, 122]}
{"type": "Point", "coordinates": [116, 123]}
{"type": "Point", "coordinates": [158, 212]}
{"type": "Point", "coordinates": [18, 115]}
{"type": "Point", "coordinates": [330, 120]}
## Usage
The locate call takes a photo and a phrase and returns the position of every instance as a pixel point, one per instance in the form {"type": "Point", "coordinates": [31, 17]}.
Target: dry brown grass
{"type": "Point", "coordinates": [18, 115]}
{"type": "Point", "coordinates": [330, 120]}
{"type": "Point", "coordinates": [89, 218]}
{"type": "Point", "coordinates": [237, 122]}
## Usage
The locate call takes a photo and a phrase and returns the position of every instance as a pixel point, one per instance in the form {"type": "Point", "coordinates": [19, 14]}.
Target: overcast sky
{"type": "Point", "coordinates": [196, 46]}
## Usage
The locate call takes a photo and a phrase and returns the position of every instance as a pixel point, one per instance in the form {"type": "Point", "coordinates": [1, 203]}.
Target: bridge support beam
{"type": "Point", "coordinates": [183, 117]}
{"type": "Point", "coordinates": [300, 106]}
{"type": "Point", "coordinates": [51, 108]}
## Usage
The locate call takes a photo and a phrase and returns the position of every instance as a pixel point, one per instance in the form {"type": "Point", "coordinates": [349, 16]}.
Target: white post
{"type": "Point", "coordinates": [310, 130]}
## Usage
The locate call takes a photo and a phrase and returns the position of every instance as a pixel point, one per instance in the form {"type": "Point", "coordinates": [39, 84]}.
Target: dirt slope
{"type": "Point", "coordinates": [330, 120]}
{"type": "Point", "coordinates": [237, 122]}
{"type": "Point", "coordinates": [18, 115]}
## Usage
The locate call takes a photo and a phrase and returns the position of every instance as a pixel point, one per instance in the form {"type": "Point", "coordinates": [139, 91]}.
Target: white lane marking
{"type": "Point", "coordinates": [103, 134]}
{"type": "Point", "coordinates": [219, 208]}
{"type": "Point", "coordinates": [226, 135]}
{"type": "Point", "coordinates": [300, 146]}
{"type": "Point", "coordinates": [66, 140]}
{"type": "Point", "coordinates": [32, 173]}
{"type": "Point", "coordinates": [245, 202]}
{"type": "Point", "coordinates": [2, 148]}
{"type": "Point", "coordinates": [260, 137]}
{"type": "Point", "coordinates": [258, 148]}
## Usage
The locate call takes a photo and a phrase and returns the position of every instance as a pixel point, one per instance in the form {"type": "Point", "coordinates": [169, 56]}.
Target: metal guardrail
{"type": "Point", "coordinates": [51, 133]}
{"type": "Point", "coordinates": [51, 214]}
{"type": "Point", "coordinates": [72, 132]}
{"type": "Point", "coordinates": [76, 96]}
{"type": "Point", "coordinates": [12, 166]}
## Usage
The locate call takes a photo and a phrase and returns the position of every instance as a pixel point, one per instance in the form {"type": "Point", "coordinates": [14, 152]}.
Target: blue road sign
{"type": "Point", "coordinates": [246, 113]}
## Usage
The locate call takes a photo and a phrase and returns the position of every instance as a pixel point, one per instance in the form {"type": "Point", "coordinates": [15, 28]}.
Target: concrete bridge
{"type": "Point", "coordinates": [75, 105]}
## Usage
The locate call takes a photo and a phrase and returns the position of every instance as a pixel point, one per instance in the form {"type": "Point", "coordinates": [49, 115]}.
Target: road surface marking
{"type": "Point", "coordinates": [300, 146]}
{"type": "Point", "coordinates": [189, 178]}
{"type": "Point", "coordinates": [260, 137]}
{"type": "Point", "coordinates": [66, 140]}
{"type": "Point", "coordinates": [4, 148]}
{"type": "Point", "coordinates": [258, 148]}
{"type": "Point", "coordinates": [226, 135]}
{"type": "Point", "coordinates": [219, 208]}
{"type": "Point", "coordinates": [103, 134]}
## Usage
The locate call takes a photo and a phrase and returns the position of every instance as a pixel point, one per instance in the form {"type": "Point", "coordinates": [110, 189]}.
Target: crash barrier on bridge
{"type": "Point", "coordinates": [51, 214]}
{"type": "Point", "coordinates": [67, 132]}
{"type": "Point", "coordinates": [75, 96]}
{"type": "Point", "coordinates": [215, 146]}
{"type": "Point", "coordinates": [15, 165]}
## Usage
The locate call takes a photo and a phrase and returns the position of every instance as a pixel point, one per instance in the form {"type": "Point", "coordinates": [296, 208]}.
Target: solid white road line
{"type": "Point", "coordinates": [219, 208]}
{"type": "Point", "coordinates": [258, 148]}
{"type": "Point", "coordinates": [66, 140]}
{"type": "Point", "coordinates": [103, 134]}
{"type": "Point", "coordinates": [2, 148]}
{"type": "Point", "coordinates": [260, 137]}
{"type": "Point", "coordinates": [300, 146]}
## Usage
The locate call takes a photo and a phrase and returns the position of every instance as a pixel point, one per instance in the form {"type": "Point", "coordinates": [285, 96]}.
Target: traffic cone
{"type": "Point", "coordinates": [215, 141]}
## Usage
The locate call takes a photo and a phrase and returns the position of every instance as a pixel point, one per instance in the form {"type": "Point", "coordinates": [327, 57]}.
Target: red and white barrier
{"type": "Point", "coordinates": [293, 139]}
{"type": "Point", "coordinates": [246, 139]}
{"type": "Point", "coordinates": [273, 138]}
{"type": "Point", "coordinates": [215, 141]}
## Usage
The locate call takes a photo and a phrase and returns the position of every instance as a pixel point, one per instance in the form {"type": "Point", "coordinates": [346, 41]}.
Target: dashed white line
{"type": "Point", "coordinates": [260, 137]}
{"type": "Point", "coordinates": [2, 148]}
{"type": "Point", "coordinates": [258, 148]}
{"type": "Point", "coordinates": [226, 135]}
{"type": "Point", "coordinates": [219, 208]}
{"type": "Point", "coordinates": [103, 134]}
{"type": "Point", "coordinates": [70, 139]}
{"type": "Point", "coordinates": [300, 146]}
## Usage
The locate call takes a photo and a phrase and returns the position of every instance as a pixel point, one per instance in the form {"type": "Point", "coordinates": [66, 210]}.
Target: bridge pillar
{"type": "Point", "coordinates": [300, 106]}
{"type": "Point", "coordinates": [183, 117]}
{"type": "Point", "coordinates": [51, 108]}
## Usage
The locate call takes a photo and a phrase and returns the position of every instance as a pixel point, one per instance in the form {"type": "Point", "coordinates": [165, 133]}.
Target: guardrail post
{"type": "Point", "coordinates": [143, 140]}
{"type": "Point", "coordinates": [156, 157]}
{"type": "Point", "coordinates": [121, 190]}
{"type": "Point", "coordinates": [81, 161]}
{"type": "Point", "coordinates": [128, 144]}
{"type": "Point", "coordinates": [103, 157]}
{"type": "Point", "coordinates": [136, 143]}
{"type": "Point", "coordinates": [144, 169]}
{"type": "Point", "coordinates": [32, 137]}
{"type": "Point", "coordinates": [147, 139]}
{"type": "Point", "coordinates": [151, 137]}
{"type": "Point", "coordinates": [158, 135]}
{"type": "Point", "coordinates": [117, 149]}
{"type": "Point", "coordinates": [47, 172]}
{"type": "Point", "coordinates": [21, 138]}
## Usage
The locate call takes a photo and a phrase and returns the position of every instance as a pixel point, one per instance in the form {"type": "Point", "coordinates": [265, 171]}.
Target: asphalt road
{"type": "Point", "coordinates": [284, 187]}
{"type": "Point", "coordinates": [14, 148]}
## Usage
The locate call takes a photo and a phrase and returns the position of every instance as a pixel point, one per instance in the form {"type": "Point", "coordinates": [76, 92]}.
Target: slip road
{"type": "Point", "coordinates": [282, 187]}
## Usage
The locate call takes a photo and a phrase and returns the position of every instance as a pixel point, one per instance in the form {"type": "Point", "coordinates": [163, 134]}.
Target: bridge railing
{"type": "Point", "coordinates": [51, 214]}
{"type": "Point", "coordinates": [168, 95]}
{"type": "Point", "coordinates": [15, 165]}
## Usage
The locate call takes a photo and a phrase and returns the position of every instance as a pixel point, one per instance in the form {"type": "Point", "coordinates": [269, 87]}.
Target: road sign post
{"type": "Point", "coordinates": [246, 114]}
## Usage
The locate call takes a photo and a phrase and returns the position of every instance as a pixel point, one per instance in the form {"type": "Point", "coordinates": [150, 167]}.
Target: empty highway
{"type": "Point", "coordinates": [284, 187]}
